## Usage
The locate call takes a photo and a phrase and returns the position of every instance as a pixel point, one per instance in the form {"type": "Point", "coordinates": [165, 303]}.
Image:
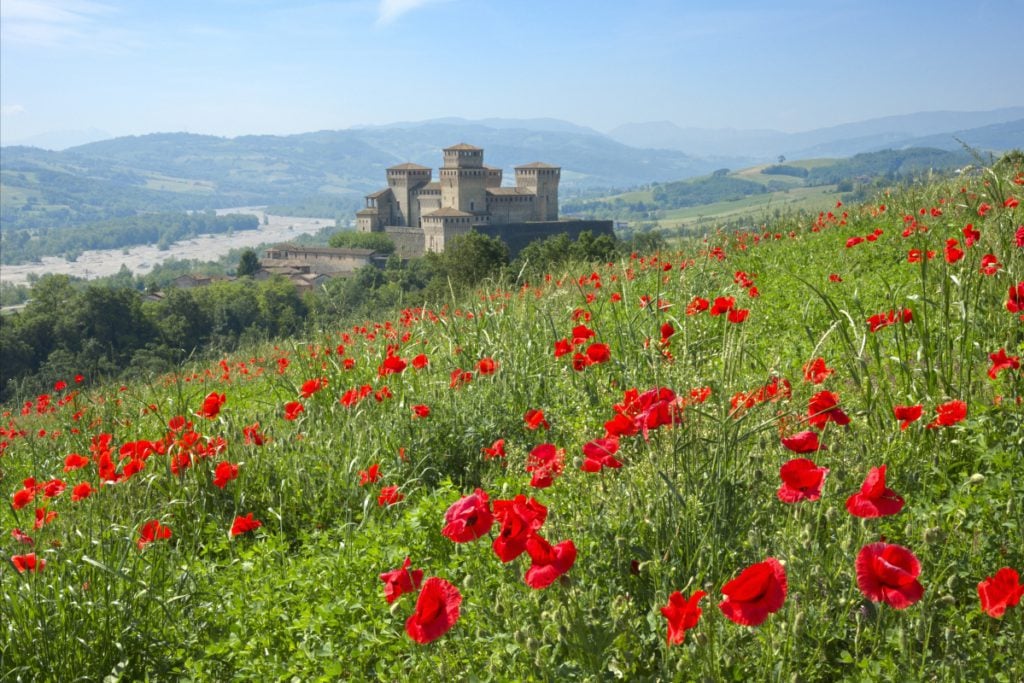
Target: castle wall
{"type": "Point", "coordinates": [513, 208]}
{"type": "Point", "coordinates": [409, 242]}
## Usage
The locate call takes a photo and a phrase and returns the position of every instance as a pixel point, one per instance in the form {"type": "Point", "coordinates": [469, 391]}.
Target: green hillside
{"type": "Point", "coordinates": [792, 453]}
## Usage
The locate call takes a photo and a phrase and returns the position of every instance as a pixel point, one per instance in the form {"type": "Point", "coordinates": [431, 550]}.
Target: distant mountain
{"type": "Point", "coordinates": [61, 139]}
{"type": "Point", "coordinates": [834, 141]}
{"type": "Point", "coordinates": [546, 125]}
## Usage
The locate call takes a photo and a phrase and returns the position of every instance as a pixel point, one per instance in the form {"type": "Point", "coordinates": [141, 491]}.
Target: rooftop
{"type": "Point", "coordinates": [408, 166]}
{"type": "Point", "coordinates": [538, 164]}
{"type": "Point", "coordinates": [462, 146]}
{"type": "Point", "coordinates": [448, 213]}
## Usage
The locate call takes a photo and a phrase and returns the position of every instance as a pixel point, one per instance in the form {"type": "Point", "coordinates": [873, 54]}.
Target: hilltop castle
{"type": "Point", "coordinates": [421, 214]}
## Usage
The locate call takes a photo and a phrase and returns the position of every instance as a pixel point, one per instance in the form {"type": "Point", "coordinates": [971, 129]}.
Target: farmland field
{"type": "Point", "coordinates": [812, 432]}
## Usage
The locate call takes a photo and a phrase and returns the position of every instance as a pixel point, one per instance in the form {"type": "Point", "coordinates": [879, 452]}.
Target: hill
{"type": "Point", "coordinates": [790, 452]}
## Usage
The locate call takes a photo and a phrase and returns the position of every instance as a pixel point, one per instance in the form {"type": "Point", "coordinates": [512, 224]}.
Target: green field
{"type": "Point", "coordinates": [667, 420]}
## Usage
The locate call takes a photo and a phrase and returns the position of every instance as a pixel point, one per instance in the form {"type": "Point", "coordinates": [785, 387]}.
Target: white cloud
{"type": "Point", "coordinates": [390, 10]}
{"type": "Point", "coordinates": [11, 110]}
{"type": "Point", "coordinates": [50, 23]}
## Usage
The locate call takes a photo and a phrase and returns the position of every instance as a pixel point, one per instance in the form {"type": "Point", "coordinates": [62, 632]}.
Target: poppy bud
{"type": "Point", "coordinates": [947, 600]}
{"type": "Point", "coordinates": [700, 638]}
{"type": "Point", "coordinates": [468, 581]}
{"type": "Point", "coordinates": [395, 608]}
{"type": "Point", "coordinates": [798, 623]}
{"type": "Point", "coordinates": [976, 478]}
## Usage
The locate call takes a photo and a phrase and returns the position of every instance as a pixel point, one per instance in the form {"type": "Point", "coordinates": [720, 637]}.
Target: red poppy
{"type": "Point", "coordinates": [1000, 362]}
{"type": "Point", "coordinates": [519, 519]}
{"type": "Point", "coordinates": [389, 495]}
{"type": "Point", "coordinates": [1000, 591]}
{"type": "Point", "coordinates": [224, 473]}
{"type": "Point", "coordinates": [562, 347]}
{"type": "Point", "coordinates": [212, 405]}
{"type": "Point", "coordinates": [75, 461]}
{"type": "Point", "coordinates": [823, 408]}
{"type": "Point", "coordinates": [738, 315]}
{"type": "Point", "coordinates": [151, 531]}
{"type": "Point", "coordinates": [437, 610]}
{"type": "Point", "coordinates": [28, 563]}
{"type": "Point", "coordinates": [801, 480]}
{"type": "Point", "coordinates": [953, 252]}
{"type": "Point", "coordinates": [1011, 203]}
{"type": "Point", "coordinates": [534, 419]}
{"type": "Point", "coordinates": [598, 353]}
{"type": "Point", "coordinates": [581, 333]}
{"type": "Point", "coordinates": [666, 332]}
{"type": "Point", "coordinates": [399, 581]}
{"type": "Point", "coordinates": [990, 265]}
{"type": "Point", "coordinates": [310, 387]}
{"type": "Point", "coordinates": [697, 305]}
{"type": "Point", "coordinates": [391, 364]}
{"type": "Point", "coordinates": [888, 573]}
{"type": "Point", "coordinates": [369, 476]}
{"type": "Point", "coordinates": [468, 518]}
{"type": "Point", "coordinates": [421, 361]}
{"type": "Point", "coordinates": [545, 462]}
{"type": "Point", "coordinates": [486, 366]}
{"type": "Point", "coordinates": [421, 410]}
{"type": "Point", "coordinates": [874, 499]}
{"type": "Point", "coordinates": [1015, 298]}
{"type": "Point", "coordinates": [984, 208]}
{"type": "Point", "coordinates": [948, 414]}
{"type": "Point", "coordinates": [758, 591]}
{"type": "Point", "coordinates": [496, 450]}
{"type": "Point", "coordinates": [816, 371]}
{"type": "Point", "coordinates": [580, 362]}
{"type": "Point", "coordinates": [242, 525]}
{"type": "Point", "coordinates": [600, 453]}
{"type": "Point", "coordinates": [803, 442]}
{"type": "Point", "coordinates": [547, 562]}
{"type": "Point", "coordinates": [81, 491]}
{"type": "Point", "coordinates": [682, 614]}
{"type": "Point", "coordinates": [723, 304]}
{"type": "Point", "coordinates": [43, 517]}
{"type": "Point", "coordinates": [292, 410]}
{"type": "Point", "coordinates": [907, 414]}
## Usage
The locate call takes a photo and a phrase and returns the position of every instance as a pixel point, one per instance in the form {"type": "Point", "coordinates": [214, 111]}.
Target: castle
{"type": "Point", "coordinates": [421, 214]}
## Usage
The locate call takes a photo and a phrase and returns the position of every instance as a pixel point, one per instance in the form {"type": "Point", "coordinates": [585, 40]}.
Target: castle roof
{"type": "Point", "coordinates": [500, 191]}
{"type": "Point", "coordinates": [447, 213]}
{"type": "Point", "coordinates": [408, 166]}
{"type": "Point", "coordinates": [379, 193]}
{"type": "Point", "coordinates": [538, 164]}
{"type": "Point", "coordinates": [432, 185]}
{"type": "Point", "coordinates": [462, 146]}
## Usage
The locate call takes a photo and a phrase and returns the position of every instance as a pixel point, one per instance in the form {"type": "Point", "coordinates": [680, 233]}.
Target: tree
{"type": "Point", "coordinates": [248, 263]}
{"type": "Point", "coordinates": [472, 257]}
{"type": "Point", "coordinates": [362, 240]}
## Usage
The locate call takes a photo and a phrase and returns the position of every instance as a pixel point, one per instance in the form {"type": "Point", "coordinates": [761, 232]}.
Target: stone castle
{"type": "Point", "coordinates": [421, 214]}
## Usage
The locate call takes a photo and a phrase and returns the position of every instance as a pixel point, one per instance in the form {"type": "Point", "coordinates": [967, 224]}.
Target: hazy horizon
{"type": "Point", "coordinates": [232, 67]}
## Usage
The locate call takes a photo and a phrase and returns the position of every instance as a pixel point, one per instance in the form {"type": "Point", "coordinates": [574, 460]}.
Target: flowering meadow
{"type": "Point", "coordinates": [794, 452]}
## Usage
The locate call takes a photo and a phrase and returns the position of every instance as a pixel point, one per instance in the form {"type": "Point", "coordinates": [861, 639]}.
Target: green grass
{"type": "Point", "coordinates": [694, 504]}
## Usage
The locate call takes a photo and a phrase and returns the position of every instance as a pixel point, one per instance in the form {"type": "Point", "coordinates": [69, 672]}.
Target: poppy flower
{"type": "Point", "coordinates": [292, 410]}
{"type": "Point", "coordinates": [874, 499]}
{"type": "Point", "coordinates": [311, 386]}
{"type": "Point", "coordinates": [990, 265]}
{"type": "Point", "coordinates": [1000, 362]}
{"type": "Point", "coordinates": [545, 462]}
{"type": "Point", "coordinates": [599, 353]}
{"type": "Point", "coordinates": [81, 491]}
{"type": "Point", "coordinates": [581, 333]}
{"type": "Point", "coordinates": [421, 410]}
{"type": "Point", "coordinates": [21, 537]}
{"type": "Point", "coordinates": [212, 405]}
{"type": "Point", "coordinates": [984, 208]}
{"type": "Point", "coordinates": [495, 450]}
{"type": "Point", "coordinates": [723, 304]}
{"type": "Point", "coordinates": [666, 332]}
{"type": "Point", "coordinates": [468, 518]}
{"type": "Point", "coordinates": [816, 371]}
{"type": "Point", "coordinates": [399, 581]}
{"type": "Point", "coordinates": [1000, 591]}
{"type": "Point", "coordinates": [392, 364]}
{"type": "Point", "coordinates": [419, 362]}
{"type": "Point", "coordinates": [801, 480]}
{"type": "Point", "coordinates": [562, 347]}
{"type": "Point", "coordinates": [953, 252]}
{"type": "Point", "coordinates": [758, 591]}
{"type": "Point", "coordinates": [1015, 298]}
{"type": "Point", "coordinates": [1011, 203]}
{"type": "Point", "coordinates": [224, 473]}
{"type": "Point", "coordinates": [834, 277]}
{"type": "Point", "coordinates": [519, 518]}
{"type": "Point", "coordinates": [580, 362]}
{"type": "Point", "coordinates": [75, 461]}
{"type": "Point", "coordinates": [486, 366]}
{"type": "Point", "coordinates": [389, 495]}
{"type": "Point", "coordinates": [245, 524]}
{"type": "Point", "coordinates": [547, 562]}
{"type": "Point", "coordinates": [697, 305]}
{"type": "Point", "coordinates": [437, 610]}
{"type": "Point", "coordinates": [888, 573]}
{"type": "Point", "coordinates": [43, 517]}
{"type": "Point", "coordinates": [948, 414]}
{"type": "Point", "coordinates": [369, 476]}
{"type": "Point", "coordinates": [534, 419]}
{"type": "Point", "coordinates": [600, 453]}
{"type": "Point", "coordinates": [682, 614]}
{"type": "Point", "coordinates": [28, 563]}
{"type": "Point", "coordinates": [151, 531]}
{"type": "Point", "coordinates": [803, 442]}
{"type": "Point", "coordinates": [823, 408]}
{"type": "Point", "coordinates": [907, 414]}
{"type": "Point", "coordinates": [738, 315]}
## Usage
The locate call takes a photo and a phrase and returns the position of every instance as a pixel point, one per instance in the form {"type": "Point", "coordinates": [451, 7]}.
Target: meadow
{"type": "Point", "coordinates": [787, 453]}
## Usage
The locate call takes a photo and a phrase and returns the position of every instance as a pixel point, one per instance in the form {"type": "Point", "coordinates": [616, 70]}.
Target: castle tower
{"type": "Point", "coordinates": [403, 181]}
{"type": "Point", "coordinates": [541, 180]}
{"type": "Point", "coordinates": [464, 179]}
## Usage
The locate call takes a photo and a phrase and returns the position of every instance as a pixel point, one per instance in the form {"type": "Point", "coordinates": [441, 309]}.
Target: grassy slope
{"type": "Point", "coordinates": [691, 508]}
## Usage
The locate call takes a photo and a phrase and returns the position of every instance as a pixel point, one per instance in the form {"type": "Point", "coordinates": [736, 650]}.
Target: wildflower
{"type": "Point", "coordinates": [252, 435]}
{"type": "Point", "coordinates": [518, 518]}
{"type": "Point", "coordinates": [1000, 591]}
{"type": "Point", "coordinates": [1015, 298]}
{"type": "Point", "coordinates": [311, 386]}
{"type": "Point", "coordinates": [990, 265]}
{"type": "Point", "coordinates": [801, 480]}
{"type": "Point", "coordinates": [823, 408]}
{"type": "Point", "coordinates": [757, 592]}
{"type": "Point", "coordinates": [948, 414]}
{"type": "Point", "coordinates": [600, 453]}
{"type": "Point", "coordinates": [816, 372]}
{"type": "Point", "coordinates": [421, 410]}
{"type": "Point", "coordinates": [399, 581]}
{"type": "Point", "coordinates": [224, 473]}
{"type": "Point", "coordinates": [74, 461]}
{"type": "Point", "coordinates": [495, 450]}
{"type": "Point", "coordinates": [598, 353]}
{"type": "Point", "coordinates": [437, 610]}
{"type": "Point", "coordinates": [803, 442]}
{"type": "Point", "coordinates": [151, 531]}
{"type": "Point", "coordinates": [1000, 362]}
{"type": "Point", "coordinates": [697, 305]}
{"type": "Point", "coordinates": [534, 420]}
{"type": "Point", "coordinates": [468, 518]}
{"type": "Point", "coordinates": [723, 304]}
{"type": "Point", "coordinates": [953, 252]}
{"type": "Point", "coordinates": [245, 524]}
{"type": "Point", "coordinates": [486, 366]}
{"type": "Point", "coordinates": [292, 410]}
{"type": "Point", "coordinates": [370, 475]}
{"type": "Point", "coordinates": [907, 414]}
{"type": "Point", "coordinates": [874, 499]}
{"type": "Point", "coordinates": [682, 614]}
{"type": "Point", "coordinates": [81, 491]}
{"type": "Point", "coordinates": [28, 563]}
{"type": "Point", "coordinates": [389, 496]}
{"type": "Point", "coordinates": [888, 573]}
{"type": "Point", "coordinates": [43, 517]}
{"type": "Point", "coordinates": [545, 462]}
{"type": "Point", "coordinates": [1011, 203]}
{"type": "Point", "coordinates": [562, 347]}
{"type": "Point", "coordinates": [419, 362]}
{"type": "Point", "coordinates": [212, 405]}
{"type": "Point", "coordinates": [548, 562]}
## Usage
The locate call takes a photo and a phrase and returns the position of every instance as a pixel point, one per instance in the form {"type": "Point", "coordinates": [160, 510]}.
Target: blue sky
{"type": "Point", "coordinates": [233, 67]}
